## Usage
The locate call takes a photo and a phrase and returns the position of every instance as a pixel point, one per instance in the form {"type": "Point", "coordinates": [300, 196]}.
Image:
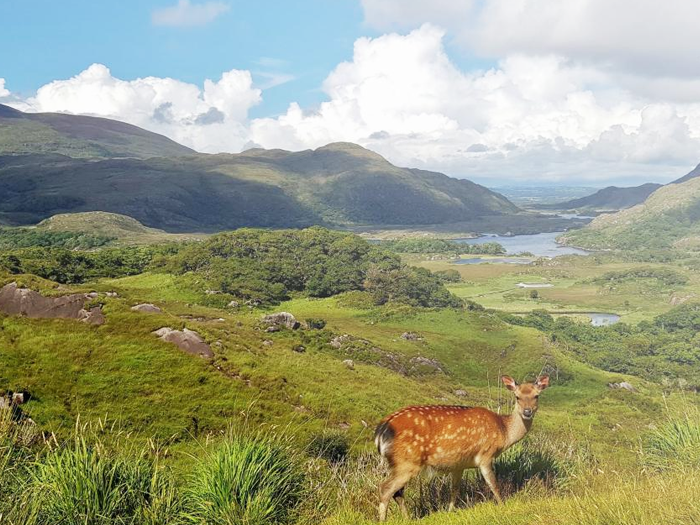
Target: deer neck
{"type": "Point", "coordinates": [516, 428]}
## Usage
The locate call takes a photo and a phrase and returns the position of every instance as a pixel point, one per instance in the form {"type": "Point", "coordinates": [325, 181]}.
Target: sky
{"type": "Point", "coordinates": [540, 92]}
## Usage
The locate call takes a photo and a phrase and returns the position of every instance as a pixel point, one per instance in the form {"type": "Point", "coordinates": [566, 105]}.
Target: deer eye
{"type": "Point", "coordinates": [537, 396]}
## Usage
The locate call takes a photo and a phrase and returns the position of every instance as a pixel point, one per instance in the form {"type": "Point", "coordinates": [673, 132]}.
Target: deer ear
{"type": "Point", "coordinates": [542, 382]}
{"type": "Point", "coordinates": [509, 382]}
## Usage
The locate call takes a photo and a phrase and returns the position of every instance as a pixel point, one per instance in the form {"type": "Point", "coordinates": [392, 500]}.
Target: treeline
{"type": "Point", "coordinates": [442, 246]}
{"type": "Point", "coordinates": [14, 238]}
{"type": "Point", "coordinates": [271, 266]}
{"type": "Point", "coordinates": [258, 266]}
{"type": "Point", "coordinates": [73, 267]}
{"type": "Point", "coordinates": [668, 347]}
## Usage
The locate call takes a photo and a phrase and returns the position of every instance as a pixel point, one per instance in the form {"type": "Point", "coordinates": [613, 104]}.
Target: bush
{"type": "Point", "coordinates": [330, 445]}
{"type": "Point", "coordinates": [246, 481]}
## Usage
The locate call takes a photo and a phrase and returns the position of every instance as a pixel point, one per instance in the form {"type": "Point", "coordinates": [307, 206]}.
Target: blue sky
{"type": "Point", "coordinates": [500, 91]}
{"type": "Point", "coordinates": [61, 38]}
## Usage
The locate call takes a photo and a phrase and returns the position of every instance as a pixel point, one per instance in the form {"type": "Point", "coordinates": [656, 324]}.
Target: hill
{"type": "Point", "coordinates": [119, 228]}
{"type": "Point", "coordinates": [79, 136]}
{"type": "Point", "coordinates": [670, 217]}
{"type": "Point", "coordinates": [693, 174]}
{"type": "Point", "coordinates": [339, 184]}
{"type": "Point", "coordinates": [611, 198]}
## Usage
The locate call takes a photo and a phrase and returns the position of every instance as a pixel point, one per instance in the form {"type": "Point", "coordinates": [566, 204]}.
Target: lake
{"type": "Point", "coordinates": [598, 319]}
{"type": "Point", "coordinates": [539, 244]}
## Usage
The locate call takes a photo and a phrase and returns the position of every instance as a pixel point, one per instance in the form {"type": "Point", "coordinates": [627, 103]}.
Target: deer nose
{"type": "Point", "coordinates": [527, 412]}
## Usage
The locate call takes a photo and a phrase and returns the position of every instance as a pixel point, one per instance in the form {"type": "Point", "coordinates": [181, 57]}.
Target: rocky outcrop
{"type": "Point", "coordinates": [187, 340]}
{"type": "Point", "coordinates": [28, 303]}
{"type": "Point", "coordinates": [411, 336]}
{"type": "Point", "coordinates": [146, 308]}
{"type": "Point", "coordinates": [282, 319]}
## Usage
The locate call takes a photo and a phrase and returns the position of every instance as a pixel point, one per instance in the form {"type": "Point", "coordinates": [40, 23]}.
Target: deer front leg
{"type": "Point", "coordinates": [454, 489]}
{"type": "Point", "coordinates": [486, 469]}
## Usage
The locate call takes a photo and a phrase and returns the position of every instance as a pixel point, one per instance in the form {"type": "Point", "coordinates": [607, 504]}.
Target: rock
{"type": "Point", "coordinates": [94, 316]}
{"type": "Point", "coordinates": [349, 363]}
{"type": "Point", "coordinates": [271, 329]}
{"type": "Point", "coordinates": [146, 308]}
{"type": "Point", "coordinates": [92, 295]}
{"type": "Point", "coordinates": [282, 319]}
{"type": "Point", "coordinates": [112, 294]}
{"type": "Point", "coordinates": [411, 336]}
{"type": "Point", "coordinates": [212, 292]}
{"type": "Point", "coordinates": [268, 342]}
{"type": "Point", "coordinates": [233, 304]}
{"type": "Point", "coordinates": [299, 349]}
{"type": "Point", "coordinates": [425, 364]}
{"type": "Point", "coordinates": [461, 393]}
{"type": "Point", "coordinates": [623, 385]}
{"type": "Point", "coordinates": [187, 340]}
{"type": "Point", "coordinates": [28, 303]}
{"type": "Point", "coordinates": [339, 341]}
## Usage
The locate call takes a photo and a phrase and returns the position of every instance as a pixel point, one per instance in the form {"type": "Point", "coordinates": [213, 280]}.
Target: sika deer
{"type": "Point", "coordinates": [452, 438]}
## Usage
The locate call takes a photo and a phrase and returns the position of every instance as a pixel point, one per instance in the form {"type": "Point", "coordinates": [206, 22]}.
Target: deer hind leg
{"type": "Point", "coordinates": [454, 488]}
{"type": "Point", "coordinates": [393, 487]}
{"type": "Point", "coordinates": [486, 469]}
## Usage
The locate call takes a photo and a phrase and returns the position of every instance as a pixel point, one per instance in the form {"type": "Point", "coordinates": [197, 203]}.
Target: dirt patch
{"type": "Point", "coordinates": [28, 303]}
{"type": "Point", "coordinates": [187, 340]}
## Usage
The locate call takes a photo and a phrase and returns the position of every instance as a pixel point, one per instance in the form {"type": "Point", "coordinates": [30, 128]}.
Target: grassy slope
{"type": "Point", "coordinates": [79, 136]}
{"type": "Point", "coordinates": [121, 370]}
{"type": "Point", "coordinates": [671, 215]}
{"type": "Point", "coordinates": [606, 199]}
{"type": "Point", "coordinates": [123, 229]}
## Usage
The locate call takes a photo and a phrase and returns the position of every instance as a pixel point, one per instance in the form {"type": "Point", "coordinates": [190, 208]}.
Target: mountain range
{"type": "Point", "coordinates": [56, 163]}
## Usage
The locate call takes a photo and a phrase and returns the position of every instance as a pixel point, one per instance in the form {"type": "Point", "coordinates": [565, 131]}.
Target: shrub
{"type": "Point", "coordinates": [330, 445]}
{"type": "Point", "coordinates": [246, 481]}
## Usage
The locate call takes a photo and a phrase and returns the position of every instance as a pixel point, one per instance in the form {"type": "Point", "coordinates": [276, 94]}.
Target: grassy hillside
{"type": "Point", "coordinates": [158, 417]}
{"type": "Point", "coordinates": [669, 217]}
{"type": "Point", "coordinates": [340, 184]}
{"type": "Point", "coordinates": [118, 228]}
{"type": "Point", "coordinates": [79, 136]}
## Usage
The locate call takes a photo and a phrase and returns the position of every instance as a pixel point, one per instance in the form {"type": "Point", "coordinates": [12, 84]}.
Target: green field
{"type": "Point", "coordinates": [135, 392]}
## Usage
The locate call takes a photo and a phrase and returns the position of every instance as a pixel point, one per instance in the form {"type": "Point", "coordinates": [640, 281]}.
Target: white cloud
{"type": "Point", "coordinates": [648, 37]}
{"type": "Point", "coordinates": [407, 14]}
{"type": "Point", "coordinates": [3, 91]}
{"type": "Point", "coordinates": [187, 14]}
{"type": "Point", "coordinates": [210, 119]}
{"type": "Point", "coordinates": [530, 117]}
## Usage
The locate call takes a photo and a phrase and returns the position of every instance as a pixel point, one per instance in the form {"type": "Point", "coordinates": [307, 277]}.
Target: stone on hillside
{"type": "Point", "coordinates": [271, 329]}
{"type": "Point", "coordinates": [339, 341]}
{"type": "Point", "coordinates": [425, 364]}
{"type": "Point", "coordinates": [349, 363]}
{"type": "Point", "coordinates": [233, 304]}
{"type": "Point", "coordinates": [411, 336]}
{"type": "Point", "coordinates": [146, 308]}
{"type": "Point", "coordinates": [268, 342]}
{"type": "Point", "coordinates": [282, 319]}
{"type": "Point", "coordinates": [28, 303]}
{"type": "Point", "coordinates": [212, 292]}
{"type": "Point", "coordinates": [623, 385]}
{"type": "Point", "coordinates": [111, 294]}
{"type": "Point", "coordinates": [93, 316]}
{"type": "Point", "coordinates": [300, 349]}
{"type": "Point", "coordinates": [461, 393]}
{"type": "Point", "coordinates": [187, 340]}
{"type": "Point", "coordinates": [18, 398]}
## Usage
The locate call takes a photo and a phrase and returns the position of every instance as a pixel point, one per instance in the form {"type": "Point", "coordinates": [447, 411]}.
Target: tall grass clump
{"type": "Point", "coordinates": [246, 480]}
{"type": "Point", "coordinates": [675, 444]}
{"type": "Point", "coordinates": [84, 483]}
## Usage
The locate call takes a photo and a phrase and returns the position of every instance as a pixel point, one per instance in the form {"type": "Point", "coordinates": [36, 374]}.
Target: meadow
{"type": "Point", "coordinates": [130, 429]}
